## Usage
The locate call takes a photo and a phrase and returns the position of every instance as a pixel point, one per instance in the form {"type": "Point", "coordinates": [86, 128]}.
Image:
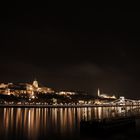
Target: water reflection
{"type": "Point", "coordinates": [43, 123]}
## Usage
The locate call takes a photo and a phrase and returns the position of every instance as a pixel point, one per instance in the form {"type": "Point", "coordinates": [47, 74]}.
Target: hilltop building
{"type": "Point", "coordinates": [24, 88]}
{"type": "Point", "coordinates": [105, 95]}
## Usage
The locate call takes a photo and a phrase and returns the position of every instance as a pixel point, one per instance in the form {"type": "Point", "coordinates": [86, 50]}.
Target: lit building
{"type": "Point", "coordinates": [7, 91]}
{"type": "Point", "coordinates": [24, 88]}
{"type": "Point", "coordinates": [105, 95]}
{"type": "Point", "coordinates": [2, 85]}
{"type": "Point", "coordinates": [35, 84]}
{"type": "Point", "coordinates": [81, 102]}
{"type": "Point", "coordinates": [65, 93]}
{"type": "Point", "coordinates": [97, 102]}
{"type": "Point", "coordinates": [45, 90]}
{"type": "Point", "coordinates": [30, 89]}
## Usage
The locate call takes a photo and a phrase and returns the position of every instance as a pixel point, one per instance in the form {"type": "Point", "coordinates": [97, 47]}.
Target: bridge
{"type": "Point", "coordinates": [122, 101]}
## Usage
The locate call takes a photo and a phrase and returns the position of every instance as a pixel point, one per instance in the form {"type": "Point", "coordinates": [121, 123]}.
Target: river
{"type": "Point", "coordinates": [55, 123]}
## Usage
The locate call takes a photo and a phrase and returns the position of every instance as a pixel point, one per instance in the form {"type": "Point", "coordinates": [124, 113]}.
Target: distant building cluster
{"type": "Point", "coordinates": [105, 95]}
{"type": "Point", "coordinates": [26, 93]}
{"type": "Point", "coordinates": [23, 88]}
{"type": "Point", "coordinates": [33, 93]}
{"type": "Point", "coordinates": [66, 93]}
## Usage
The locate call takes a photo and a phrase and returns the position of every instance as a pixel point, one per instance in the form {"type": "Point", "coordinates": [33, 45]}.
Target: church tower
{"type": "Point", "coordinates": [98, 93]}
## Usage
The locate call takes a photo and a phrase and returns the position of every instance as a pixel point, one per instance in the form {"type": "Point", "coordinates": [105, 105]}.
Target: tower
{"type": "Point", "coordinates": [98, 93]}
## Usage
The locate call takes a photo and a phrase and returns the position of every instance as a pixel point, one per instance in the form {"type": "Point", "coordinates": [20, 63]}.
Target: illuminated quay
{"type": "Point", "coordinates": [33, 95]}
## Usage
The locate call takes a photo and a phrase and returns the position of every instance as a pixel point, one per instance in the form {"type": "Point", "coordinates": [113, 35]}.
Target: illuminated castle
{"type": "Point", "coordinates": [24, 88]}
{"type": "Point", "coordinates": [104, 95]}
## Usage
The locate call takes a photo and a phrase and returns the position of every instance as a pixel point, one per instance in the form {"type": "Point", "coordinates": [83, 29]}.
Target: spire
{"type": "Point", "coordinates": [98, 92]}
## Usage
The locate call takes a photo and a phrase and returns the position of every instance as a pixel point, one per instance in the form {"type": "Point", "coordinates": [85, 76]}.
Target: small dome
{"type": "Point", "coordinates": [35, 83]}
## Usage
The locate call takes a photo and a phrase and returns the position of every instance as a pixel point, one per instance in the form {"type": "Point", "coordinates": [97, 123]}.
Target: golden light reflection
{"type": "Point", "coordinates": [33, 122]}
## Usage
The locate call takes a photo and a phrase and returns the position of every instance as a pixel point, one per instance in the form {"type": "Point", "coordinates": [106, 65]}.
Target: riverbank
{"type": "Point", "coordinates": [57, 106]}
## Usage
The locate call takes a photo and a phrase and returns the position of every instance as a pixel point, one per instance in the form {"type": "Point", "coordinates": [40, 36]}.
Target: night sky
{"type": "Point", "coordinates": [72, 49]}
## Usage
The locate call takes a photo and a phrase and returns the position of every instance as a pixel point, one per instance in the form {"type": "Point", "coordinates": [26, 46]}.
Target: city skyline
{"type": "Point", "coordinates": [34, 95]}
{"type": "Point", "coordinates": [69, 73]}
{"type": "Point", "coordinates": [35, 86]}
{"type": "Point", "coordinates": [45, 89]}
{"type": "Point", "coordinates": [72, 51]}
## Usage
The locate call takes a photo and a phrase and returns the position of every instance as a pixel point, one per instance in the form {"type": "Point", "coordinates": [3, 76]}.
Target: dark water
{"type": "Point", "coordinates": [56, 123]}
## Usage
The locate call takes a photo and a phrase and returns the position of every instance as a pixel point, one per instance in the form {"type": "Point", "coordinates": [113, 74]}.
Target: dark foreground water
{"type": "Point", "coordinates": [57, 123]}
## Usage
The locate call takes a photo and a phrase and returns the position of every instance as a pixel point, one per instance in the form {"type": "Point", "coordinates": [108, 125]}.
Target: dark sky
{"type": "Point", "coordinates": [72, 49]}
